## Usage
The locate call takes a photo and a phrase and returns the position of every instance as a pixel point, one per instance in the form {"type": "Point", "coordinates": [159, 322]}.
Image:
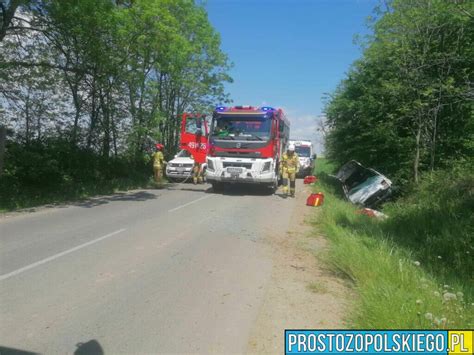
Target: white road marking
{"type": "Point", "coordinates": [189, 203]}
{"type": "Point", "coordinates": [56, 256]}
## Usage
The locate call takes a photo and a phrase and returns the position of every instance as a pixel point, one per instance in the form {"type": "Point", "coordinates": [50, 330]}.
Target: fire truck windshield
{"type": "Point", "coordinates": [242, 128]}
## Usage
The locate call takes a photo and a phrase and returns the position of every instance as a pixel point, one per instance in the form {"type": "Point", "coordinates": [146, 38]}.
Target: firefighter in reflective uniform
{"type": "Point", "coordinates": [197, 173]}
{"type": "Point", "coordinates": [158, 163]}
{"type": "Point", "coordinates": [289, 165]}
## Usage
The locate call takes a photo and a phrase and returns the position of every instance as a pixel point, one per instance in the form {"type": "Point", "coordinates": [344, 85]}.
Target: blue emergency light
{"type": "Point", "coordinates": [268, 108]}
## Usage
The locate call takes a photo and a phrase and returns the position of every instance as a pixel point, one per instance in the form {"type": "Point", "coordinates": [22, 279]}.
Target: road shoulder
{"type": "Point", "coordinates": [302, 292]}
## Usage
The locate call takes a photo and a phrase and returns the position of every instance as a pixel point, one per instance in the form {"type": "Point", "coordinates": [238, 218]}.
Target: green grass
{"type": "Point", "coordinates": [394, 265]}
{"type": "Point", "coordinates": [317, 287]}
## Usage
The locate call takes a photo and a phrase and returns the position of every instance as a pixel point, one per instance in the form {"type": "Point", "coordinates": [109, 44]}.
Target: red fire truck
{"type": "Point", "coordinates": [245, 145]}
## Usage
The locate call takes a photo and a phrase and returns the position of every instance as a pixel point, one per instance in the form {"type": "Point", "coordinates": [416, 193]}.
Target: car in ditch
{"type": "Point", "coordinates": [363, 186]}
{"type": "Point", "coordinates": [181, 167]}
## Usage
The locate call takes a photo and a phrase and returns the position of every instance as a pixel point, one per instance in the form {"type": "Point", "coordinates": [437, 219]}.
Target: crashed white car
{"type": "Point", "coordinates": [181, 167]}
{"type": "Point", "coordinates": [363, 186]}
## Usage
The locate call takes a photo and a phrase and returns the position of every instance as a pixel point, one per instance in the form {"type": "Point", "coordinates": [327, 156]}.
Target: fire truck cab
{"type": "Point", "coordinates": [245, 145]}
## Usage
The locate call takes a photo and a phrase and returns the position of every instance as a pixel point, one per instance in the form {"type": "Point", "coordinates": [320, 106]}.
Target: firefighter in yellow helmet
{"type": "Point", "coordinates": [158, 163]}
{"type": "Point", "coordinates": [289, 165]}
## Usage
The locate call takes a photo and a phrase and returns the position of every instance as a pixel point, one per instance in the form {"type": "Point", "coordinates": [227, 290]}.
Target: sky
{"type": "Point", "coordinates": [289, 53]}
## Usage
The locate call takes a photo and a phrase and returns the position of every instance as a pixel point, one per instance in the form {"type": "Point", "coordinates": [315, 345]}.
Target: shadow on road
{"type": "Point", "coordinates": [11, 351]}
{"type": "Point", "coordinates": [228, 190]}
{"type": "Point", "coordinates": [92, 347]}
{"type": "Point", "coordinates": [244, 190]}
{"type": "Point", "coordinates": [196, 189]}
{"type": "Point", "coordinates": [135, 196]}
{"type": "Point", "coordinates": [282, 195]}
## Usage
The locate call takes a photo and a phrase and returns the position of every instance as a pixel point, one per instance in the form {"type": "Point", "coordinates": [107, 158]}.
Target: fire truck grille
{"type": "Point", "coordinates": [237, 165]}
{"type": "Point", "coordinates": [238, 154]}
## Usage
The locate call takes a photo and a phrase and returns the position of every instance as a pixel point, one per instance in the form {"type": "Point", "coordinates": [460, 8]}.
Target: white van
{"type": "Point", "coordinates": [307, 156]}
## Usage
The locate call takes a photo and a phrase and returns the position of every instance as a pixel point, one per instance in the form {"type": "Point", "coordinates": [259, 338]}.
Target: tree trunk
{"type": "Point", "coordinates": [93, 114]}
{"type": "Point", "coordinates": [435, 132]}
{"type": "Point", "coordinates": [114, 136]}
{"type": "Point", "coordinates": [75, 127]}
{"type": "Point", "coordinates": [113, 126]}
{"type": "Point", "coordinates": [416, 163]}
{"type": "Point", "coordinates": [77, 106]}
{"type": "Point", "coordinates": [7, 16]}
{"type": "Point", "coordinates": [27, 120]}
{"type": "Point", "coordinates": [3, 138]}
{"type": "Point", "coordinates": [38, 123]}
{"type": "Point", "coordinates": [433, 143]}
{"type": "Point", "coordinates": [105, 125]}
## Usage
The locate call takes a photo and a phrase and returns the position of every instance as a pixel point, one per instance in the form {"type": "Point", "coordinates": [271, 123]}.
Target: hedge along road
{"type": "Point", "coordinates": [181, 269]}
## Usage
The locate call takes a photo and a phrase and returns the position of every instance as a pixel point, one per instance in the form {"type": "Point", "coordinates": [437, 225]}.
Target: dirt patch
{"type": "Point", "coordinates": [302, 293]}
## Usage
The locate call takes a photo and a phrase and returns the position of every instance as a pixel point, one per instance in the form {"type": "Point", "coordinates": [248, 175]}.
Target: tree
{"type": "Point", "coordinates": [126, 70]}
{"type": "Point", "coordinates": [7, 13]}
{"type": "Point", "coordinates": [405, 107]}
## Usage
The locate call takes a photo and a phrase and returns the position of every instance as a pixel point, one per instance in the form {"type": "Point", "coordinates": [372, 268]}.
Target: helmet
{"type": "Point", "coordinates": [291, 148]}
{"type": "Point", "coordinates": [159, 146]}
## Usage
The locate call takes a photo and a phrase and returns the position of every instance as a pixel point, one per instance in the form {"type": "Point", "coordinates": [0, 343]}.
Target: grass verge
{"type": "Point", "coordinates": [395, 265]}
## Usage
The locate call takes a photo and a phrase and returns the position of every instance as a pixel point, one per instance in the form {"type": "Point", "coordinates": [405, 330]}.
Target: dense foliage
{"type": "Point", "coordinates": [406, 108]}
{"type": "Point", "coordinates": [108, 78]}
{"type": "Point", "coordinates": [53, 170]}
{"type": "Point", "coordinates": [407, 105]}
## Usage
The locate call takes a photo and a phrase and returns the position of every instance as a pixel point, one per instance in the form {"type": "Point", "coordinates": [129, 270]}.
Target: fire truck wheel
{"type": "Point", "coordinates": [273, 187]}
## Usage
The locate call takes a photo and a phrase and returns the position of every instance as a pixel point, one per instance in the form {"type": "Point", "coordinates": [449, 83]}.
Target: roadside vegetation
{"type": "Point", "coordinates": [53, 171]}
{"type": "Point", "coordinates": [406, 109]}
{"type": "Point", "coordinates": [88, 86]}
{"type": "Point", "coordinates": [414, 269]}
{"type": "Point", "coordinates": [407, 105]}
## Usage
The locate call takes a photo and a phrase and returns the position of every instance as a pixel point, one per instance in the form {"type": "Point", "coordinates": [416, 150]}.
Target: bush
{"type": "Point", "coordinates": [436, 221]}
{"type": "Point", "coordinates": [54, 170]}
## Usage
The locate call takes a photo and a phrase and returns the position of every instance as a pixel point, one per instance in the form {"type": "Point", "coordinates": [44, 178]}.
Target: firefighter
{"type": "Point", "coordinates": [158, 163]}
{"type": "Point", "coordinates": [197, 173]}
{"type": "Point", "coordinates": [288, 167]}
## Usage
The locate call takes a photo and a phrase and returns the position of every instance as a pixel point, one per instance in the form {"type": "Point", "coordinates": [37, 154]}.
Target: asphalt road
{"type": "Point", "coordinates": [177, 270]}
